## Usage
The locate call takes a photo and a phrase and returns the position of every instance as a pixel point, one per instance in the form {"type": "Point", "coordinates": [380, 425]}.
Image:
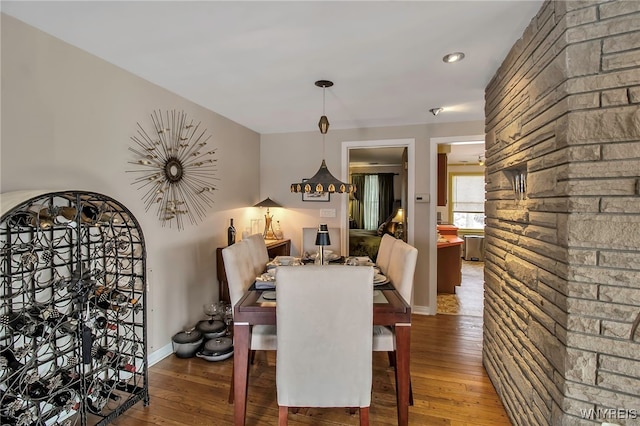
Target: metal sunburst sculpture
{"type": "Point", "coordinates": [175, 169]}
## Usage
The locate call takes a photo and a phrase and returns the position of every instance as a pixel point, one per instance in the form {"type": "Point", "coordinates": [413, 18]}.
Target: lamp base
{"type": "Point", "coordinates": [398, 232]}
{"type": "Point", "coordinates": [268, 233]}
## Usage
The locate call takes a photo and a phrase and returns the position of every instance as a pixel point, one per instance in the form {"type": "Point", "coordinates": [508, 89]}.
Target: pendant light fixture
{"type": "Point", "coordinates": [323, 181]}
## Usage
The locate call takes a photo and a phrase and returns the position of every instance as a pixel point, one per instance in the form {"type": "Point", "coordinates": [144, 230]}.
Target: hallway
{"type": "Point", "coordinates": [469, 295]}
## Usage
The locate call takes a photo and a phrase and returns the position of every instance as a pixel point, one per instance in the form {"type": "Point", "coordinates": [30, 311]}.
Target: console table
{"type": "Point", "coordinates": [274, 248]}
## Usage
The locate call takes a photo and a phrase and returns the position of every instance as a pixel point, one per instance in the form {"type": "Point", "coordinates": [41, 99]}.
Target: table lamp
{"type": "Point", "coordinates": [398, 219]}
{"type": "Point", "coordinates": [322, 239]}
{"type": "Point", "coordinates": [268, 233]}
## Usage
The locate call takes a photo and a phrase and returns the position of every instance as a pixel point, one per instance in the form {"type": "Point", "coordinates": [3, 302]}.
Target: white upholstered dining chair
{"type": "Point", "coordinates": [324, 317]}
{"type": "Point", "coordinates": [240, 275]}
{"type": "Point", "coordinates": [384, 252]}
{"type": "Point", "coordinates": [401, 269]}
{"type": "Point", "coordinates": [259, 253]}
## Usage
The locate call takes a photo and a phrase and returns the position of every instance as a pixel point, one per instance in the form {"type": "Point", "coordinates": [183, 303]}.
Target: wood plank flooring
{"type": "Point", "coordinates": [450, 386]}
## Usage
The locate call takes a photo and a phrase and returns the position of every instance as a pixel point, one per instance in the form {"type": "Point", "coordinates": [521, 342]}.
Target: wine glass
{"type": "Point", "coordinates": [212, 310]}
{"type": "Point", "coordinates": [228, 318]}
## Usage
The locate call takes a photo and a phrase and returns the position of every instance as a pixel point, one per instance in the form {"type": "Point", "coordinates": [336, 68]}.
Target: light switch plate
{"type": "Point", "coordinates": [327, 212]}
{"type": "Point", "coordinates": [422, 198]}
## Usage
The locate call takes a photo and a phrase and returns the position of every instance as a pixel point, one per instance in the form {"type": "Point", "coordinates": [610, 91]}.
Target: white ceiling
{"type": "Point", "coordinates": [256, 62]}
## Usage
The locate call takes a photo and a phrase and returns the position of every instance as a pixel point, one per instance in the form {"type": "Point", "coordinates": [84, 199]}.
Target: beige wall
{"type": "Point", "coordinates": [67, 120]}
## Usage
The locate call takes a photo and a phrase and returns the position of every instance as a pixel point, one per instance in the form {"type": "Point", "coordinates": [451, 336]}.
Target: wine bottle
{"type": "Point", "coordinates": [38, 389]}
{"type": "Point", "coordinates": [8, 360]}
{"type": "Point", "coordinates": [89, 214]}
{"type": "Point", "coordinates": [113, 359]}
{"type": "Point", "coordinates": [231, 234]}
{"type": "Point", "coordinates": [110, 298]}
{"type": "Point", "coordinates": [62, 397]}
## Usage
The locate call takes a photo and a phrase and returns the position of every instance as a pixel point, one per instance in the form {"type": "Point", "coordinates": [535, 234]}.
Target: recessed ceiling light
{"type": "Point", "coordinates": [453, 57]}
{"type": "Point", "coordinates": [436, 111]}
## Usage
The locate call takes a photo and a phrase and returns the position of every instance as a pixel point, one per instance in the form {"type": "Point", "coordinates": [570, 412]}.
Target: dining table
{"type": "Point", "coordinates": [389, 309]}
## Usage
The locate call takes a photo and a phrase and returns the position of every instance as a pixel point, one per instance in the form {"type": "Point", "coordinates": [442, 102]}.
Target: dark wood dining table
{"type": "Point", "coordinates": [249, 311]}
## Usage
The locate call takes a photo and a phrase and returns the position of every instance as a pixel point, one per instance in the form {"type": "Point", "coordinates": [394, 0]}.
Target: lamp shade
{"type": "Point", "coordinates": [399, 217]}
{"type": "Point", "coordinates": [323, 181]}
{"type": "Point", "coordinates": [267, 202]}
{"type": "Point", "coordinates": [322, 237]}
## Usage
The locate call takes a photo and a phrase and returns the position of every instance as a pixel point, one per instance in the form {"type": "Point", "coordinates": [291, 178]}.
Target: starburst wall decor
{"type": "Point", "coordinates": [174, 168]}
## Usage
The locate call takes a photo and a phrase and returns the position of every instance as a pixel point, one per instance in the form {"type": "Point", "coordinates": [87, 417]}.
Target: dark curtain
{"type": "Point", "coordinates": [357, 206]}
{"type": "Point", "coordinates": [386, 196]}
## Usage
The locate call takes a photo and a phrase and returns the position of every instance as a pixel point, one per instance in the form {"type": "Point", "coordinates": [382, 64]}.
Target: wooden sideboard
{"type": "Point", "coordinates": [274, 248]}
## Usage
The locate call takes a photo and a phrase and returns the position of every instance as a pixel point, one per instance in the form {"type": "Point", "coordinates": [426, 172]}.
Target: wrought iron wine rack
{"type": "Point", "coordinates": [72, 310]}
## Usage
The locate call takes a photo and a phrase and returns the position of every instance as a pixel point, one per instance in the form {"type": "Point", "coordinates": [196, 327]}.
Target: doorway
{"type": "Point", "coordinates": [407, 192]}
{"type": "Point", "coordinates": [464, 161]}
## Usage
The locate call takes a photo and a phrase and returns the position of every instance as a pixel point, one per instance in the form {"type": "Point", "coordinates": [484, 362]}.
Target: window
{"type": "Point", "coordinates": [467, 200]}
{"type": "Point", "coordinates": [371, 200]}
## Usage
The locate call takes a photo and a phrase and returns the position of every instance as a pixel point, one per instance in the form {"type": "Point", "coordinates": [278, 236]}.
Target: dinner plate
{"type": "Point", "coordinates": [269, 295]}
{"type": "Point", "coordinates": [379, 279]}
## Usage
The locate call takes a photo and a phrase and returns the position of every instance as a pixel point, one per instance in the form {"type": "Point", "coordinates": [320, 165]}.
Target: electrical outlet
{"type": "Point", "coordinates": [327, 212]}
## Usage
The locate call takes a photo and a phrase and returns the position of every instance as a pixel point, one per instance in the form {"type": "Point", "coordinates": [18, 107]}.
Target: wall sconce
{"type": "Point", "coordinates": [519, 183]}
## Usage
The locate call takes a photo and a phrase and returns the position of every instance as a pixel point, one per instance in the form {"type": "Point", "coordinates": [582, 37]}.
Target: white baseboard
{"type": "Point", "coordinates": [160, 354]}
{"type": "Point", "coordinates": [423, 310]}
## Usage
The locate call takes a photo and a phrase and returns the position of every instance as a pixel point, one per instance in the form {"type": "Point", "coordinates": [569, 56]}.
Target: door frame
{"type": "Point", "coordinates": [410, 144]}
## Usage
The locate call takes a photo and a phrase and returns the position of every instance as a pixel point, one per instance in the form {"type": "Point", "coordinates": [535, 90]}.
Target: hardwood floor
{"type": "Point", "coordinates": [450, 386]}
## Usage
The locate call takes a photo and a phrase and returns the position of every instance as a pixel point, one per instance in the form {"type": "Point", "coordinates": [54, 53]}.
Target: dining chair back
{"type": "Point", "coordinates": [324, 316]}
{"type": "Point", "coordinates": [402, 266]}
{"type": "Point", "coordinates": [309, 240]}
{"type": "Point", "coordinates": [384, 252]}
{"type": "Point", "coordinates": [239, 269]}
{"type": "Point", "coordinates": [259, 253]}
{"type": "Point", "coordinates": [241, 275]}
{"type": "Point", "coordinates": [401, 269]}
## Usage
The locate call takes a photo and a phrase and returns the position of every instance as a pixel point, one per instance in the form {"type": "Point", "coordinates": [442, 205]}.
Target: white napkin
{"type": "Point", "coordinates": [265, 281]}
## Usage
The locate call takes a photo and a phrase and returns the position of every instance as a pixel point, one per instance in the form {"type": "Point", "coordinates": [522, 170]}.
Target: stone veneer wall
{"type": "Point", "coordinates": [562, 266]}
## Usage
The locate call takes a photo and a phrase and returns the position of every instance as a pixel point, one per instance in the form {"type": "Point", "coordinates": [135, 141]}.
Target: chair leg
{"type": "Point", "coordinates": [352, 411]}
{"type": "Point", "coordinates": [364, 416]}
{"type": "Point", "coordinates": [282, 416]}
{"type": "Point", "coordinates": [392, 358]}
{"type": "Point", "coordinates": [410, 393]}
{"type": "Point", "coordinates": [253, 357]}
{"type": "Point", "coordinates": [231, 387]}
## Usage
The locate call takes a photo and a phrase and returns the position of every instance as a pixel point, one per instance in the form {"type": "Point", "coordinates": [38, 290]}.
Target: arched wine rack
{"type": "Point", "coordinates": [72, 309]}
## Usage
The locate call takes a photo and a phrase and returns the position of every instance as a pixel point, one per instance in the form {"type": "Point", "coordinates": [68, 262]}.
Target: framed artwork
{"type": "Point", "coordinates": [316, 196]}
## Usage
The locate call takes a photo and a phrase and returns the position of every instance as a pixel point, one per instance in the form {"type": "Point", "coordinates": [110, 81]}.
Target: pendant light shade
{"type": "Point", "coordinates": [323, 180]}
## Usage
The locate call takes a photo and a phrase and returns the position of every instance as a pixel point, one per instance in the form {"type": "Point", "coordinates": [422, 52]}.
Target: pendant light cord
{"type": "Point", "coordinates": [323, 113]}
